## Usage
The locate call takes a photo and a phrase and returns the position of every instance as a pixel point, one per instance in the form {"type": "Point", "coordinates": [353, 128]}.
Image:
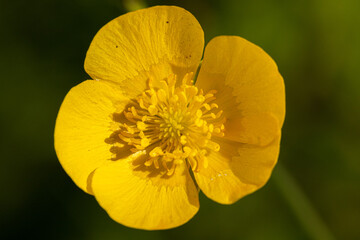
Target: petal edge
{"type": "Point", "coordinates": [139, 201]}
{"type": "Point", "coordinates": [154, 41]}
{"type": "Point", "coordinates": [82, 125]}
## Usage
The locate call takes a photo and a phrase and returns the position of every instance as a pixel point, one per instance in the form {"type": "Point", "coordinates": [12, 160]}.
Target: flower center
{"type": "Point", "coordinates": [173, 124]}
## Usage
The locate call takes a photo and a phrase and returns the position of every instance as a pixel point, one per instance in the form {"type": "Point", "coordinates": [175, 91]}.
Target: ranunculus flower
{"type": "Point", "coordinates": [143, 138]}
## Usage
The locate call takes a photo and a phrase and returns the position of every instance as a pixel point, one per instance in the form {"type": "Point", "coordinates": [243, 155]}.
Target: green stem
{"type": "Point", "coordinates": [301, 205]}
{"type": "Point", "coordinates": [133, 5]}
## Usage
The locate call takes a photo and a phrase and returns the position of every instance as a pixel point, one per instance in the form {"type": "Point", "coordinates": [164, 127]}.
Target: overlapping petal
{"type": "Point", "coordinates": [237, 170]}
{"type": "Point", "coordinates": [138, 198]}
{"type": "Point", "coordinates": [83, 125]}
{"type": "Point", "coordinates": [250, 88]}
{"type": "Point", "coordinates": [250, 91]}
{"type": "Point", "coordinates": [152, 42]}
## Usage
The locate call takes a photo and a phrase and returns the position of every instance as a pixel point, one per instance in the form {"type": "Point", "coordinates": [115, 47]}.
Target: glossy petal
{"type": "Point", "coordinates": [237, 170]}
{"type": "Point", "coordinates": [143, 199]}
{"type": "Point", "coordinates": [258, 129]}
{"type": "Point", "coordinates": [152, 42]}
{"type": "Point", "coordinates": [250, 89]}
{"type": "Point", "coordinates": [84, 127]}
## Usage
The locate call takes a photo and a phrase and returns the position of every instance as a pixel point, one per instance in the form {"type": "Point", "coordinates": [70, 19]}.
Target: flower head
{"type": "Point", "coordinates": [141, 133]}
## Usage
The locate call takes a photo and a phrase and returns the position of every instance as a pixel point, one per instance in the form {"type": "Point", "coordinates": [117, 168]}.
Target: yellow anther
{"type": "Point", "coordinates": [156, 152]}
{"type": "Point", "coordinates": [134, 112]}
{"type": "Point", "coordinates": [154, 99]}
{"type": "Point", "coordinates": [174, 98]}
{"type": "Point", "coordinates": [145, 142]}
{"type": "Point", "coordinates": [209, 95]}
{"type": "Point", "coordinates": [144, 118]}
{"type": "Point", "coordinates": [203, 152]}
{"type": "Point", "coordinates": [187, 150]}
{"type": "Point", "coordinates": [129, 129]}
{"type": "Point", "coordinates": [177, 120]}
{"type": "Point", "coordinates": [214, 146]}
{"type": "Point", "coordinates": [141, 125]}
{"type": "Point", "coordinates": [152, 110]}
{"type": "Point", "coordinates": [164, 85]}
{"type": "Point", "coordinates": [141, 103]}
{"type": "Point", "coordinates": [193, 164]}
{"type": "Point", "coordinates": [161, 94]}
{"type": "Point", "coordinates": [191, 91]}
{"type": "Point", "coordinates": [183, 140]}
{"type": "Point", "coordinates": [211, 127]}
{"type": "Point", "coordinates": [205, 128]}
{"type": "Point", "coordinates": [199, 122]}
{"type": "Point", "coordinates": [142, 134]}
{"type": "Point", "coordinates": [182, 98]}
{"type": "Point", "coordinates": [156, 163]}
{"type": "Point", "coordinates": [207, 106]}
{"type": "Point", "coordinates": [178, 161]}
{"type": "Point", "coordinates": [149, 162]}
{"type": "Point", "coordinates": [219, 114]}
{"type": "Point", "coordinates": [187, 80]}
{"type": "Point", "coordinates": [214, 105]}
{"type": "Point", "coordinates": [199, 98]}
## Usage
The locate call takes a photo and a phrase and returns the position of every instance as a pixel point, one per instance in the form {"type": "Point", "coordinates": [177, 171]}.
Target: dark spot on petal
{"type": "Point", "coordinates": [167, 21]}
{"type": "Point", "coordinates": [116, 46]}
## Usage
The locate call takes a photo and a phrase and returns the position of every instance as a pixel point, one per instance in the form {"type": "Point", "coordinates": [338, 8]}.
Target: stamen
{"type": "Point", "coordinates": [173, 124]}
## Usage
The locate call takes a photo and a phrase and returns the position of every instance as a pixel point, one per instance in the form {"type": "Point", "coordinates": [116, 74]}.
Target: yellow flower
{"type": "Point", "coordinates": [142, 138]}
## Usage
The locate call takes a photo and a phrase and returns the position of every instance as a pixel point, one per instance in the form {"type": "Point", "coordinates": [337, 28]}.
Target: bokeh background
{"type": "Point", "coordinates": [314, 192]}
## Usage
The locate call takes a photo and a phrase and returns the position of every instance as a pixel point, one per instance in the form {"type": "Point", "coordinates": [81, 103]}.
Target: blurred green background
{"type": "Point", "coordinates": [316, 44]}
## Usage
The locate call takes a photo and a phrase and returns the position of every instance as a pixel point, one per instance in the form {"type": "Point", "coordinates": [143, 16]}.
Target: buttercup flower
{"type": "Point", "coordinates": [142, 137]}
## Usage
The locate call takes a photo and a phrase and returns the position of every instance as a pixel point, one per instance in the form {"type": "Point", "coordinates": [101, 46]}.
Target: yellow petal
{"type": "Point", "coordinates": [83, 131]}
{"type": "Point", "coordinates": [140, 199]}
{"type": "Point", "coordinates": [259, 129]}
{"type": "Point", "coordinates": [237, 170]}
{"type": "Point", "coordinates": [250, 90]}
{"type": "Point", "coordinates": [148, 43]}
